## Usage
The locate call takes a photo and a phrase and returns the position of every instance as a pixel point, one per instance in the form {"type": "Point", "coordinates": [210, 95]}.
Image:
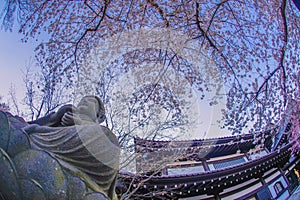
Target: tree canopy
{"type": "Point", "coordinates": [253, 44]}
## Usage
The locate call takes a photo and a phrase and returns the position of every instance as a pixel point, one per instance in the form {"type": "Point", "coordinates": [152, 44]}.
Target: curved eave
{"type": "Point", "coordinates": [207, 182]}
{"type": "Point", "coordinates": [216, 147]}
{"type": "Point", "coordinates": [156, 144]}
{"type": "Point", "coordinates": [213, 150]}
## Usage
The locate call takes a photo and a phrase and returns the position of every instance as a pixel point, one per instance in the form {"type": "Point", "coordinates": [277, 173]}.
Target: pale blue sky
{"type": "Point", "coordinates": [14, 56]}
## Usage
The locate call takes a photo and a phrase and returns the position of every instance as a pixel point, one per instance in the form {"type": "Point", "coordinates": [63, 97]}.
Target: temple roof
{"type": "Point", "coordinates": [230, 153]}
{"type": "Point", "coordinates": [206, 148]}
{"type": "Point", "coordinates": [189, 168]}
{"type": "Point", "coordinates": [209, 182]}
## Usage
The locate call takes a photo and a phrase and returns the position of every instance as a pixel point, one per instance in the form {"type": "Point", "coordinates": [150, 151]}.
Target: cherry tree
{"type": "Point", "coordinates": [253, 43]}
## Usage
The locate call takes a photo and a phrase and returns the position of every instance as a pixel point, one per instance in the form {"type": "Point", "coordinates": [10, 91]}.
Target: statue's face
{"type": "Point", "coordinates": [89, 106]}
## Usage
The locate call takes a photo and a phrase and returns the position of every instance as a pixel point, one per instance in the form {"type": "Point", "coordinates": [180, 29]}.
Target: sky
{"type": "Point", "coordinates": [14, 57]}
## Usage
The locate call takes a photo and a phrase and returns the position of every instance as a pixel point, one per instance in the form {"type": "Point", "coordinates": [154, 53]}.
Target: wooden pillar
{"type": "Point", "coordinates": [262, 181]}
{"type": "Point", "coordinates": [265, 185]}
{"type": "Point", "coordinates": [247, 156]}
{"type": "Point", "coordinates": [205, 165]}
{"type": "Point", "coordinates": [266, 149]}
{"type": "Point", "coordinates": [217, 197]}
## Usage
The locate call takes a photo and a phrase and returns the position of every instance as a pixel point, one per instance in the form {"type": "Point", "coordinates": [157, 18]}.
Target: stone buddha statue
{"type": "Point", "coordinates": [81, 145]}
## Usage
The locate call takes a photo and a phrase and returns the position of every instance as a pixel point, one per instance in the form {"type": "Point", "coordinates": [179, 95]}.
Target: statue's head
{"type": "Point", "coordinates": [93, 107]}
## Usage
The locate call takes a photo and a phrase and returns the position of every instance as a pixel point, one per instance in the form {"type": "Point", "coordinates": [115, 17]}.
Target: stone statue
{"type": "Point", "coordinates": [65, 155]}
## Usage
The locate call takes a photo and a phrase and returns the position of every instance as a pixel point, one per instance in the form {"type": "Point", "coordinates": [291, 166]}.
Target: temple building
{"type": "Point", "coordinates": [251, 166]}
